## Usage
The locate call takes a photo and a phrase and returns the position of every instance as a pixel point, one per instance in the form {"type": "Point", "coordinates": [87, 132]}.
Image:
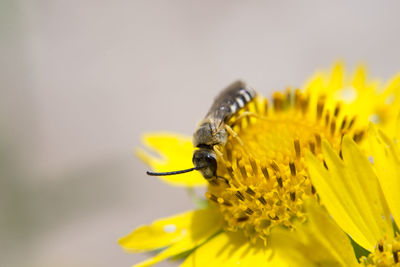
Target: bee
{"type": "Point", "coordinates": [213, 130]}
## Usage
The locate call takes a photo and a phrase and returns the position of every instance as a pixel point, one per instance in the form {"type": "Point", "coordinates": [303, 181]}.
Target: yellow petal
{"type": "Point", "coordinates": [319, 242]}
{"type": "Point", "coordinates": [315, 83]}
{"type": "Point", "coordinates": [372, 202]}
{"type": "Point", "coordinates": [389, 106]}
{"type": "Point", "coordinates": [176, 153]}
{"type": "Point", "coordinates": [350, 191]}
{"type": "Point", "coordinates": [189, 229]}
{"type": "Point", "coordinates": [232, 249]}
{"type": "Point", "coordinates": [337, 78]}
{"type": "Point", "coordinates": [326, 83]}
{"type": "Point", "coordinates": [331, 195]}
{"type": "Point", "coordinates": [386, 162]}
{"type": "Point", "coordinates": [360, 78]}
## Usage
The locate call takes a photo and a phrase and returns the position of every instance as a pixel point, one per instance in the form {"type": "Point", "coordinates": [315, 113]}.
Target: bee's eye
{"type": "Point", "coordinates": [211, 162]}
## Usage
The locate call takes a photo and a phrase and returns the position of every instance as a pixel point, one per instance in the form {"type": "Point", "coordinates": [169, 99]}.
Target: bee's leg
{"type": "Point", "coordinates": [218, 152]}
{"type": "Point", "coordinates": [226, 181]}
{"type": "Point", "coordinates": [234, 134]}
{"type": "Point", "coordinates": [248, 114]}
{"type": "Point", "coordinates": [213, 181]}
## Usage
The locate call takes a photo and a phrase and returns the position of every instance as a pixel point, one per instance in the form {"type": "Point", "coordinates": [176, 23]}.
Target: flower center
{"type": "Point", "coordinates": [386, 254]}
{"type": "Point", "coordinates": [262, 178]}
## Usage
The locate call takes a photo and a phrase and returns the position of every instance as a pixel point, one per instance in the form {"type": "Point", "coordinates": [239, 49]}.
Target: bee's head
{"type": "Point", "coordinates": [205, 161]}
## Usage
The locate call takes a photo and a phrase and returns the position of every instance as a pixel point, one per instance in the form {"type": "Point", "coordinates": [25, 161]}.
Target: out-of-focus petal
{"type": "Point", "coordinates": [179, 233]}
{"type": "Point", "coordinates": [174, 152]}
{"type": "Point", "coordinates": [232, 249]}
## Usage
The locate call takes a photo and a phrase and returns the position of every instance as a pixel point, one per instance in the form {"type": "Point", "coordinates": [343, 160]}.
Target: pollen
{"type": "Point", "coordinates": [386, 253]}
{"type": "Point", "coordinates": [262, 180]}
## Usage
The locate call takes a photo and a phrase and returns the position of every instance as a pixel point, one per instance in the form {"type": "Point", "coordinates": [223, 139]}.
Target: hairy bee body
{"type": "Point", "coordinates": [212, 130]}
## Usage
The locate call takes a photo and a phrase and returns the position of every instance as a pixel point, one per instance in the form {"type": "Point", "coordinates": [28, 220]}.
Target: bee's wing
{"type": "Point", "coordinates": [228, 102]}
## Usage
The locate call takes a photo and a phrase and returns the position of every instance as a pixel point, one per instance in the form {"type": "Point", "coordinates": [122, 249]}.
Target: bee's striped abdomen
{"type": "Point", "coordinates": [233, 98]}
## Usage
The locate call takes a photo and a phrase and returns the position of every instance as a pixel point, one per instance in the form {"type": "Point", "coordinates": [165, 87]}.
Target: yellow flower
{"type": "Point", "coordinates": [363, 195]}
{"type": "Point", "coordinates": [262, 173]}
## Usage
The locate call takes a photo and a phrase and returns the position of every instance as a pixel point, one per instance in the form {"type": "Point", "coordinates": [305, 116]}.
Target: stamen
{"type": "Point", "coordinates": [265, 172]}
{"type": "Point", "coordinates": [275, 166]}
{"type": "Point", "coordinates": [313, 191]}
{"type": "Point", "coordinates": [312, 147]}
{"type": "Point", "coordinates": [327, 118]}
{"type": "Point", "coordinates": [239, 195]}
{"type": "Point", "coordinates": [242, 219]}
{"type": "Point", "coordinates": [229, 152]}
{"type": "Point", "coordinates": [292, 168]}
{"type": "Point", "coordinates": [253, 166]}
{"type": "Point", "coordinates": [320, 108]}
{"type": "Point", "coordinates": [333, 127]}
{"type": "Point", "coordinates": [238, 159]}
{"type": "Point", "coordinates": [297, 148]}
{"type": "Point", "coordinates": [358, 136]}
{"type": "Point", "coordinates": [265, 107]}
{"type": "Point", "coordinates": [224, 202]}
{"type": "Point", "coordinates": [293, 196]}
{"type": "Point", "coordinates": [288, 97]}
{"type": "Point", "coordinates": [278, 101]}
{"type": "Point", "coordinates": [250, 192]}
{"type": "Point", "coordinates": [343, 123]}
{"type": "Point", "coordinates": [243, 171]}
{"type": "Point", "coordinates": [297, 98]}
{"type": "Point", "coordinates": [318, 140]}
{"type": "Point", "coordinates": [249, 211]}
{"type": "Point", "coordinates": [279, 180]}
{"type": "Point", "coordinates": [351, 123]}
{"type": "Point", "coordinates": [304, 104]}
{"type": "Point", "coordinates": [211, 197]}
{"type": "Point", "coordinates": [337, 110]}
{"type": "Point", "coordinates": [262, 200]}
{"type": "Point", "coordinates": [275, 218]}
{"type": "Point", "coordinates": [380, 247]}
{"type": "Point", "coordinates": [256, 107]}
{"type": "Point", "coordinates": [230, 171]}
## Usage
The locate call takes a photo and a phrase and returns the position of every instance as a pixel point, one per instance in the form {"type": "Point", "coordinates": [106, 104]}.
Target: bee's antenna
{"type": "Point", "coordinates": [172, 173]}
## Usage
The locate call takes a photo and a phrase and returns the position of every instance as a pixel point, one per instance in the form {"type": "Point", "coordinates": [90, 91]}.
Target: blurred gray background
{"type": "Point", "coordinates": [82, 80]}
